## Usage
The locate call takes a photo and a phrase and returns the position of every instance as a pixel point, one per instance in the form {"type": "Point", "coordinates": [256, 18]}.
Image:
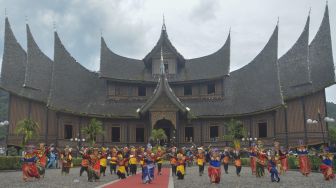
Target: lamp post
{"type": "Point", "coordinates": [319, 121]}
{"type": "Point", "coordinates": [78, 142]}
{"type": "Point", "coordinates": [249, 140]}
{"type": "Point", "coordinates": [5, 124]}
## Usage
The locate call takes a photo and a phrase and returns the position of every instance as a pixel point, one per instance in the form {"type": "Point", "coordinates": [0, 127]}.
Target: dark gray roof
{"type": "Point", "coordinates": [251, 89]}
{"type": "Point", "coordinates": [294, 66]}
{"type": "Point", "coordinates": [305, 69]}
{"type": "Point", "coordinates": [38, 71]}
{"type": "Point", "coordinates": [165, 44]}
{"type": "Point", "coordinates": [320, 56]}
{"type": "Point", "coordinates": [13, 63]}
{"type": "Point", "coordinates": [212, 66]}
{"type": "Point", "coordinates": [75, 89]}
{"type": "Point", "coordinates": [162, 89]}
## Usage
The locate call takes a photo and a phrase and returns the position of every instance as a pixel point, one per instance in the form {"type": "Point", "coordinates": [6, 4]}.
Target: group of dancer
{"type": "Point", "coordinates": [125, 161]}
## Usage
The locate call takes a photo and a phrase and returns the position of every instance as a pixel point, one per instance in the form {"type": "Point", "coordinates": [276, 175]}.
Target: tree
{"type": "Point", "coordinates": [158, 134]}
{"type": "Point", "coordinates": [92, 130]}
{"type": "Point", "coordinates": [28, 129]}
{"type": "Point", "coordinates": [332, 134]}
{"type": "Point", "coordinates": [236, 129]}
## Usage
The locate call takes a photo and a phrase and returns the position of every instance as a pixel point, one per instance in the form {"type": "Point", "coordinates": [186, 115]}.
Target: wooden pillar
{"type": "Point", "coordinates": [326, 115]}
{"type": "Point", "coordinates": [47, 125]}
{"type": "Point", "coordinates": [58, 130]}
{"type": "Point", "coordinates": [274, 122]}
{"type": "Point", "coordinates": [9, 120]}
{"type": "Point", "coordinates": [304, 120]}
{"type": "Point", "coordinates": [202, 132]}
{"type": "Point", "coordinates": [251, 131]}
{"type": "Point", "coordinates": [286, 126]}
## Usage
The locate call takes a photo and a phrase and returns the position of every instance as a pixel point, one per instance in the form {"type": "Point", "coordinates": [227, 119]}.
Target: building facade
{"type": "Point", "coordinates": [191, 99]}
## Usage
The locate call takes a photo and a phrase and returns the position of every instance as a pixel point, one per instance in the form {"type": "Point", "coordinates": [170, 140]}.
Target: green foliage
{"type": "Point", "coordinates": [92, 130]}
{"type": "Point", "coordinates": [332, 134]}
{"type": "Point", "coordinates": [236, 129]}
{"type": "Point", "coordinates": [158, 134]}
{"type": "Point", "coordinates": [10, 162]}
{"type": "Point", "coordinates": [28, 128]}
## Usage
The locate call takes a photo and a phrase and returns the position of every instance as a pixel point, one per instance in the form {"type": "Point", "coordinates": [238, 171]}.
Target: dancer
{"type": "Point", "coordinates": [236, 156]}
{"type": "Point", "coordinates": [180, 166]}
{"type": "Point", "coordinates": [94, 165]}
{"type": "Point", "coordinates": [159, 155]}
{"type": "Point", "coordinates": [327, 166]}
{"type": "Point", "coordinates": [84, 162]}
{"type": "Point", "coordinates": [253, 158]}
{"type": "Point", "coordinates": [133, 163]}
{"type": "Point", "coordinates": [214, 170]}
{"type": "Point", "coordinates": [304, 162]}
{"type": "Point", "coordinates": [173, 160]}
{"type": "Point", "coordinates": [113, 161]}
{"type": "Point", "coordinates": [41, 154]}
{"type": "Point", "coordinates": [121, 162]}
{"type": "Point", "coordinates": [148, 167]}
{"type": "Point", "coordinates": [66, 159]}
{"type": "Point", "coordinates": [261, 159]}
{"type": "Point", "coordinates": [226, 159]}
{"type": "Point", "coordinates": [29, 169]}
{"type": "Point", "coordinates": [103, 160]}
{"type": "Point", "coordinates": [284, 160]}
{"type": "Point", "coordinates": [272, 163]}
{"type": "Point", "coordinates": [200, 160]}
{"type": "Point", "coordinates": [52, 157]}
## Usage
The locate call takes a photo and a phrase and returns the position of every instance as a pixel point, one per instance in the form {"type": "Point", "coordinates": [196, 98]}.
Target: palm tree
{"type": "Point", "coordinates": [28, 129]}
{"type": "Point", "coordinates": [158, 134]}
{"type": "Point", "coordinates": [92, 130]}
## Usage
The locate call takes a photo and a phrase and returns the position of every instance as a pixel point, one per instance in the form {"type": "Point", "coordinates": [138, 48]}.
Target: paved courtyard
{"type": "Point", "coordinates": [54, 179]}
{"type": "Point", "coordinates": [291, 179]}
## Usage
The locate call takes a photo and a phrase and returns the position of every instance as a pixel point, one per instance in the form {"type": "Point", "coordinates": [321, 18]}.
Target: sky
{"type": "Point", "coordinates": [195, 27]}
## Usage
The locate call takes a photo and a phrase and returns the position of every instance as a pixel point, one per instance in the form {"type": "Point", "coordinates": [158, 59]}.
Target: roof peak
{"type": "Point", "coordinates": [163, 23]}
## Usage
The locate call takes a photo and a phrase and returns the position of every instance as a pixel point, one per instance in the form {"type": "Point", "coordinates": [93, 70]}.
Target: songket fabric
{"type": "Point", "coordinates": [327, 169]}
{"type": "Point", "coordinates": [214, 171]}
{"type": "Point", "coordinates": [29, 169]}
{"type": "Point", "coordinates": [148, 171]}
{"type": "Point", "coordinates": [304, 164]}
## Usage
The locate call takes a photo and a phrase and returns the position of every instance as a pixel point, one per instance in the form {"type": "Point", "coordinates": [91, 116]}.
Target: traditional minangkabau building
{"type": "Point", "coordinates": [191, 99]}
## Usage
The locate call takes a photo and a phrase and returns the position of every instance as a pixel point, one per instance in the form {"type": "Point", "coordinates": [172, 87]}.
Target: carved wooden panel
{"type": "Point", "coordinates": [158, 115]}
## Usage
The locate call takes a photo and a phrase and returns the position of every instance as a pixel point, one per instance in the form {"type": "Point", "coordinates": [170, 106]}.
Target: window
{"type": "Point", "coordinates": [262, 129]}
{"type": "Point", "coordinates": [115, 134]}
{"type": "Point", "coordinates": [140, 135]}
{"type": "Point", "coordinates": [141, 91]}
{"type": "Point", "coordinates": [213, 132]}
{"type": "Point", "coordinates": [189, 133]}
{"type": "Point", "coordinates": [187, 90]}
{"type": "Point", "coordinates": [166, 67]}
{"type": "Point", "coordinates": [67, 131]}
{"type": "Point", "coordinates": [211, 88]}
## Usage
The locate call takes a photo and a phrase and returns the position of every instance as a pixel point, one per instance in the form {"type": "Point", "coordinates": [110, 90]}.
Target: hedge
{"type": "Point", "coordinates": [14, 162]}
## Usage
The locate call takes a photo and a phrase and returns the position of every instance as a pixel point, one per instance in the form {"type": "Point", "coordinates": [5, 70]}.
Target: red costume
{"type": "Point", "coordinates": [304, 162]}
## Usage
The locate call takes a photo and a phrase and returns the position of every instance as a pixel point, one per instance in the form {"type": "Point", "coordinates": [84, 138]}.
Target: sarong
{"type": "Point", "coordinates": [327, 172]}
{"type": "Point", "coordinates": [304, 165]}
{"type": "Point", "coordinates": [148, 173]}
{"type": "Point", "coordinates": [214, 174]}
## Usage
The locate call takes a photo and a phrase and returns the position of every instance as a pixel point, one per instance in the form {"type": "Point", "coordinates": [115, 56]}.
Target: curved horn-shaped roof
{"type": "Point", "coordinates": [13, 62]}
{"type": "Point", "coordinates": [38, 70]}
{"type": "Point", "coordinates": [251, 89]}
{"type": "Point", "coordinates": [294, 66]}
{"type": "Point", "coordinates": [165, 44]}
{"type": "Point", "coordinates": [320, 56]}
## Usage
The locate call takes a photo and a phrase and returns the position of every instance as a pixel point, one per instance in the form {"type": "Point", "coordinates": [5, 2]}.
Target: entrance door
{"type": "Point", "coordinates": [168, 128]}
